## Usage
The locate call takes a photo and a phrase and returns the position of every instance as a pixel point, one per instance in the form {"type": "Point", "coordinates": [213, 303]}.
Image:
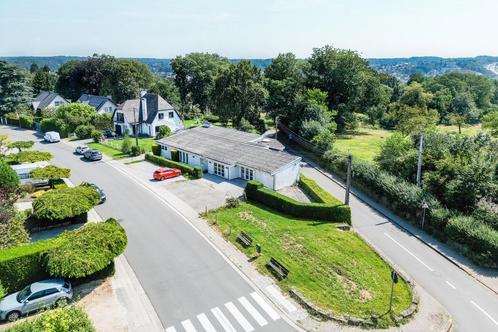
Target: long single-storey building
{"type": "Point", "coordinates": [233, 154]}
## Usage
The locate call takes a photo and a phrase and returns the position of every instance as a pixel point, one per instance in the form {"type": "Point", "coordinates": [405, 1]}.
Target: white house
{"type": "Point", "coordinates": [233, 154]}
{"type": "Point", "coordinates": [47, 99]}
{"type": "Point", "coordinates": [102, 104]}
{"type": "Point", "coordinates": [24, 170]}
{"type": "Point", "coordinates": [146, 114]}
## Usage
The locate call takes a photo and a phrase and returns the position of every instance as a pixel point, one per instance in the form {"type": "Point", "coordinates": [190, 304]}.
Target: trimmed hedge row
{"type": "Point", "coordinates": [73, 254]}
{"type": "Point", "coordinates": [194, 171]}
{"type": "Point", "coordinates": [26, 121]}
{"type": "Point", "coordinates": [53, 124]}
{"type": "Point", "coordinates": [321, 211]}
{"type": "Point", "coordinates": [317, 193]}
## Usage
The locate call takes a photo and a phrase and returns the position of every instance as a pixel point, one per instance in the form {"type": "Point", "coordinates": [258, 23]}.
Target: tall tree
{"type": "Point", "coordinates": [43, 80]}
{"type": "Point", "coordinates": [239, 93]}
{"type": "Point", "coordinates": [195, 74]}
{"type": "Point", "coordinates": [490, 122]}
{"type": "Point", "coordinates": [14, 88]}
{"type": "Point", "coordinates": [168, 90]}
{"type": "Point", "coordinates": [284, 82]}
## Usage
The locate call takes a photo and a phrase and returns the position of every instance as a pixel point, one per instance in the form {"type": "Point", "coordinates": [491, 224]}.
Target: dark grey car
{"type": "Point", "coordinates": [93, 155]}
{"type": "Point", "coordinates": [36, 296]}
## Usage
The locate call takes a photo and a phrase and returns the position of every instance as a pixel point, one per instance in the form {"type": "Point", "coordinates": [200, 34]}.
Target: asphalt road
{"type": "Point", "coordinates": [183, 275]}
{"type": "Point", "coordinates": [474, 307]}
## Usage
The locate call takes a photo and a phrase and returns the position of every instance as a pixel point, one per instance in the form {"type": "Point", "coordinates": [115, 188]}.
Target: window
{"type": "Point", "coordinates": [37, 295]}
{"type": "Point", "coordinates": [219, 169]}
{"type": "Point", "coordinates": [161, 116]}
{"type": "Point", "coordinates": [58, 103]}
{"type": "Point", "coordinates": [171, 115]}
{"type": "Point", "coordinates": [50, 291]}
{"type": "Point", "coordinates": [119, 117]}
{"type": "Point", "coordinates": [165, 148]}
{"type": "Point", "coordinates": [246, 173]}
{"type": "Point", "coordinates": [183, 157]}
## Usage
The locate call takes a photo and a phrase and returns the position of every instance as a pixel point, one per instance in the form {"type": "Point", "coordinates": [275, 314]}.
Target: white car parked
{"type": "Point", "coordinates": [52, 137]}
{"type": "Point", "coordinates": [81, 149]}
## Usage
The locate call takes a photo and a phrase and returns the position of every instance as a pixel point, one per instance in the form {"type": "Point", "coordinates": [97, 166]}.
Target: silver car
{"type": "Point", "coordinates": [81, 149]}
{"type": "Point", "coordinates": [36, 296]}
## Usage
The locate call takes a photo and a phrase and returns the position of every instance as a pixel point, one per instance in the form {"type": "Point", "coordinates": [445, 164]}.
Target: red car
{"type": "Point", "coordinates": [166, 173]}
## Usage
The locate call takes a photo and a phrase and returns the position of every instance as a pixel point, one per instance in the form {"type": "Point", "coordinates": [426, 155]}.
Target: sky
{"type": "Point", "coordinates": [248, 29]}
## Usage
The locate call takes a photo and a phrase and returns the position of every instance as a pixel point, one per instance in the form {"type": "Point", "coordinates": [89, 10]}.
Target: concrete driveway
{"type": "Point", "coordinates": [209, 192]}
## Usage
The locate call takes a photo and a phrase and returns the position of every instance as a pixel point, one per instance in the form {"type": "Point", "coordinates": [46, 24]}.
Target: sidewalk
{"type": "Point", "coordinates": [431, 315]}
{"type": "Point", "coordinates": [486, 276]}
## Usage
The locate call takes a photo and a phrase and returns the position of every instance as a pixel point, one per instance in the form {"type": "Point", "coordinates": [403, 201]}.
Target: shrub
{"type": "Point", "coordinates": [328, 212]}
{"type": "Point", "coordinates": [232, 202]}
{"type": "Point", "coordinates": [66, 319]}
{"type": "Point", "coordinates": [2, 291]}
{"type": "Point", "coordinates": [20, 266]}
{"type": "Point", "coordinates": [20, 145]}
{"type": "Point", "coordinates": [87, 250]}
{"type": "Point", "coordinates": [84, 131]}
{"type": "Point", "coordinates": [50, 172]}
{"type": "Point", "coordinates": [65, 203]}
{"type": "Point", "coordinates": [12, 119]}
{"type": "Point", "coordinates": [13, 233]}
{"type": "Point", "coordinates": [97, 135]}
{"type": "Point", "coordinates": [164, 131]}
{"type": "Point", "coordinates": [26, 121]}
{"type": "Point", "coordinates": [53, 124]}
{"type": "Point", "coordinates": [212, 118]}
{"type": "Point", "coordinates": [8, 177]}
{"type": "Point", "coordinates": [156, 150]}
{"type": "Point", "coordinates": [136, 150]}
{"type": "Point", "coordinates": [195, 172]}
{"type": "Point", "coordinates": [126, 145]}
{"type": "Point", "coordinates": [317, 193]}
{"type": "Point", "coordinates": [30, 156]}
{"type": "Point", "coordinates": [480, 239]}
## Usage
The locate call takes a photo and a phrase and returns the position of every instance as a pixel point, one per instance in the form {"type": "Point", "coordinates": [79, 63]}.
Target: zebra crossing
{"type": "Point", "coordinates": [245, 314]}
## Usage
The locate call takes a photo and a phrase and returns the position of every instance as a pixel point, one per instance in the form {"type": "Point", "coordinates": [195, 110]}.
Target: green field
{"type": "Point", "coordinates": [334, 269]}
{"type": "Point", "coordinates": [365, 143]}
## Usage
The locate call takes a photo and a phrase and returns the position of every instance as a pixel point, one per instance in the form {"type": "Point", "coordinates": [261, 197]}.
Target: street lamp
{"type": "Point", "coordinates": [424, 207]}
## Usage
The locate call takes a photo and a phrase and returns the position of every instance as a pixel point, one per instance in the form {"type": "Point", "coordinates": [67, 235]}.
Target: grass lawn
{"type": "Point", "coordinates": [364, 143]}
{"type": "Point", "coordinates": [108, 151]}
{"type": "Point", "coordinates": [467, 130]}
{"type": "Point", "coordinates": [334, 269]}
{"type": "Point", "coordinates": [144, 142]}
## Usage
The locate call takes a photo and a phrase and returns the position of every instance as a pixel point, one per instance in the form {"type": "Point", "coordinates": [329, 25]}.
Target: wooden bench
{"type": "Point", "coordinates": [278, 268]}
{"type": "Point", "coordinates": [244, 239]}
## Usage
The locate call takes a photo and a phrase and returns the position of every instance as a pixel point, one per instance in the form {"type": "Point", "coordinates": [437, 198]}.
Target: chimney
{"type": "Point", "coordinates": [143, 107]}
{"type": "Point", "coordinates": [142, 93]}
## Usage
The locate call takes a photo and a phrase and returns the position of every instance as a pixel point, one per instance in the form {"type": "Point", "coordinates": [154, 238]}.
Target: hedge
{"type": "Point", "coordinates": [26, 121]}
{"type": "Point", "coordinates": [65, 319]}
{"type": "Point", "coordinates": [84, 131]}
{"type": "Point", "coordinates": [175, 155]}
{"type": "Point", "coordinates": [321, 211]}
{"type": "Point", "coordinates": [65, 203]}
{"type": "Point", "coordinates": [317, 193]}
{"type": "Point", "coordinates": [156, 150]}
{"type": "Point", "coordinates": [79, 253]}
{"type": "Point", "coordinates": [87, 250]}
{"type": "Point", "coordinates": [479, 239]}
{"type": "Point", "coordinates": [12, 119]}
{"type": "Point", "coordinates": [53, 124]}
{"type": "Point", "coordinates": [194, 171]}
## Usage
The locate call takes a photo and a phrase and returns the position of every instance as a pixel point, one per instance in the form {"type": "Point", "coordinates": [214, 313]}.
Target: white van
{"type": "Point", "coordinates": [52, 137]}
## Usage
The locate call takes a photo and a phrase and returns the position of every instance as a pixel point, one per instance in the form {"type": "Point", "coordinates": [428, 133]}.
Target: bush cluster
{"type": "Point", "coordinates": [156, 150]}
{"type": "Point", "coordinates": [13, 233]}
{"type": "Point", "coordinates": [26, 121]}
{"type": "Point", "coordinates": [8, 177]}
{"type": "Point", "coordinates": [12, 119]}
{"type": "Point", "coordinates": [97, 135]}
{"type": "Point", "coordinates": [65, 203]}
{"type": "Point", "coordinates": [74, 254]}
{"type": "Point", "coordinates": [29, 157]}
{"type": "Point", "coordinates": [195, 171]}
{"type": "Point", "coordinates": [84, 131]}
{"type": "Point", "coordinates": [321, 211]}
{"type": "Point", "coordinates": [67, 319]}
{"type": "Point", "coordinates": [54, 124]}
{"type": "Point", "coordinates": [87, 250]}
{"type": "Point", "coordinates": [136, 150]}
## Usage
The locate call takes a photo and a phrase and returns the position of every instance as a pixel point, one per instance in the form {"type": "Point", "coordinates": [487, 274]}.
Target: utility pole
{"type": "Point", "coordinates": [348, 179]}
{"type": "Point", "coordinates": [135, 126]}
{"type": "Point", "coordinates": [419, 164]}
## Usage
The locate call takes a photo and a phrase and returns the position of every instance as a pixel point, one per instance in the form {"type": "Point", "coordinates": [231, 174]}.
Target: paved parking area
{"type": "Point", "coordinates": [210, 192]}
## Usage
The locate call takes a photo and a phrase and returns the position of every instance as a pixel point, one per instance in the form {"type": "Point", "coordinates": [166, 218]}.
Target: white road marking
{"type": "Point", "coordinates": [188, 326]}
{"type": "Point", "coordinates": [252, 311]}
{"type": "Point", "coordinates": [280, 298]}
{"type": "Point", "coordinates": [484, 312]}
{"type": "Point", "coordinates": [225, 323]}
{"type": "Point", "coordinates": [206, 324]}
{"type": "Point", "coordinates": [239, 317]}
{"type": "Point", "coordinates": [409, 252]}
{"type": "Point", "coordinates": [450, 284]}
{"type": "Point", "coordinates": [171, 329]}
{"type": "Point", "coordinates": [265, 306]}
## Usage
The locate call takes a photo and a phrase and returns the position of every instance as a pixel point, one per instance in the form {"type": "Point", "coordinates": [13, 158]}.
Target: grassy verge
{"type": "Point", "coordinates": [108, 151]}
{"type": "Point", "coordinates": [364, 143]}
{"type": "Point", "coordinates": [336, 270]}
{"type": "Point", "coordinates": [144, 142]}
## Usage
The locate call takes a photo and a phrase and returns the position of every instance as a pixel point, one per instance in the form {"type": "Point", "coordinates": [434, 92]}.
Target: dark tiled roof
{"type": "Point", "coordinates": [44, 98]}
{"type": "Point", "coordinates": [154, 104]}
{"type": "Point", "coordinates": [94, 101]}
{"type": "Point", "coordinates": [230, 147]}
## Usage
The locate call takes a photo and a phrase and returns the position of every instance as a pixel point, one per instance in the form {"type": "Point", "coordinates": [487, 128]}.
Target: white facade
{"type": "Point", "coordinates": [58, 101]}
{"type": "Point", "coordinates": [284, 177]}
{"type": "Point", "coordinates": [108, 108]}
{"type": "Point", "coordinates": [168, 118]}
